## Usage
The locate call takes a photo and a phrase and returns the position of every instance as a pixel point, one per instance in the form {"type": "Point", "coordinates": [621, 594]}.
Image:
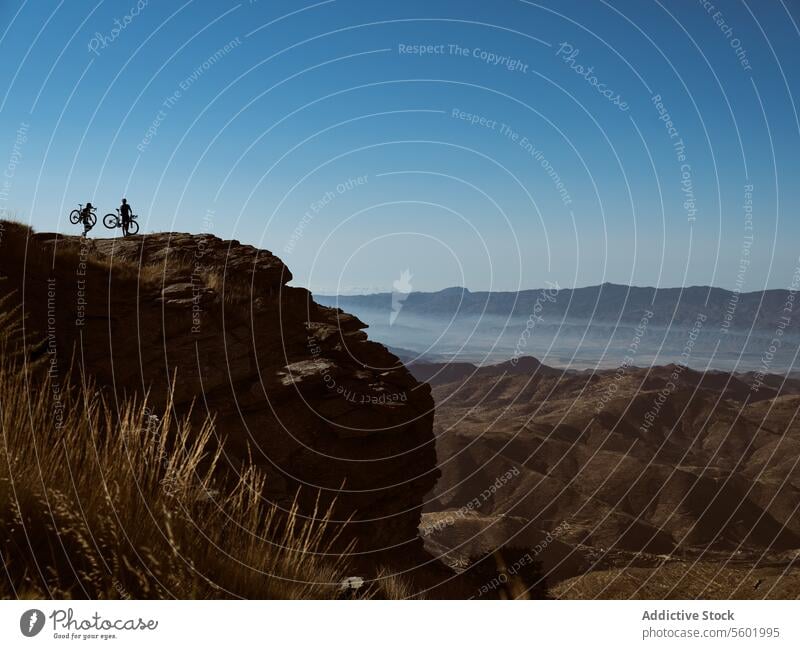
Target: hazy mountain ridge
{"type": "Point", "coordinates": [604, 303]}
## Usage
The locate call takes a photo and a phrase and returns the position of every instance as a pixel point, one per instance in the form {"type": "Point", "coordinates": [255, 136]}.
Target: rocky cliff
{"type": "Point", "coordinates": [294, 387]}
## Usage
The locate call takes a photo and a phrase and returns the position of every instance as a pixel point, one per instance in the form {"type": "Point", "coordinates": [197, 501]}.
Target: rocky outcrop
{"type": "Point", "coordinates": [293, 387]}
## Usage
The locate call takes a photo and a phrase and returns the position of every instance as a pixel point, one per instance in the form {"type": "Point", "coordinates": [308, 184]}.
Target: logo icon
{"type": "Point", "coordinates": [31, 622]}
{"type": "Point", "coordinates": [401, 288]}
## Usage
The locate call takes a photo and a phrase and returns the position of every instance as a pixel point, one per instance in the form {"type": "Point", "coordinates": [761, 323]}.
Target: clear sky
{"type": "Point", "coordinates": [494, 145]}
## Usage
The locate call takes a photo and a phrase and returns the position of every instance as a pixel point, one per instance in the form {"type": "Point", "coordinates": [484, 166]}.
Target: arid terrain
{"type": "Point", "coordinates": [637, 482]}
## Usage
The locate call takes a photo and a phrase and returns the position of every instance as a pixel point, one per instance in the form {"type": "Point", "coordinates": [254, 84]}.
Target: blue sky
{"type": "Point", "coordinates": [490, 159]}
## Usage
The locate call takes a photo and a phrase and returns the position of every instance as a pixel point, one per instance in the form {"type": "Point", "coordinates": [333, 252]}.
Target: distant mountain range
{"type": "Point", "coordinates": [764, 311]}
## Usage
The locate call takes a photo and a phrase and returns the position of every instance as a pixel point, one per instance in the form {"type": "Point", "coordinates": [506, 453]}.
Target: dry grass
{"type": "Point", "coordinates": [104, 504]}
{"type": "Point", "coordinates": [22, 253]}
{"type": "Point", "coordinates": [388, 585]}
{"type": "Point", "coordinates": [233, 292]}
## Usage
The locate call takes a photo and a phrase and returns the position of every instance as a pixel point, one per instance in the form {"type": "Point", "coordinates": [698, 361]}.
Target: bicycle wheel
{"type": "Point", "coordinates": [92, 220]}
{"type": "Point", "coordinates": [110, 221]}
{"type": "Point", "coordinates": [133, 227]}
{"type": "Point", "coordinates": [74, 217]}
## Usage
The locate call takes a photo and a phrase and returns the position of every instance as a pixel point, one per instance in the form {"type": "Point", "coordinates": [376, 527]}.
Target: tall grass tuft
{"type": "Point", "coordinates": [102, 502]}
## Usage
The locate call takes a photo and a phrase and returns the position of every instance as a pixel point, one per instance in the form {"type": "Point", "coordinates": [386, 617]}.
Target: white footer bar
{"type": "Point", "coordinates": [378, 624]}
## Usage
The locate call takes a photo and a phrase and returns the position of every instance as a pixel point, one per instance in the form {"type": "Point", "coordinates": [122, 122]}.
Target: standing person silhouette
{"type": "Point", "coordinates": [86, 218]}
{"type": "Point", "coordinates": [125, 212]}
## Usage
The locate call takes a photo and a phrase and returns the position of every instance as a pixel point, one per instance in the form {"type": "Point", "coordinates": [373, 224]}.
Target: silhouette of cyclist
{"type": "Point", "coordinates": [125, 212]}
{"type": "Point", "coordinates": [86, 214]}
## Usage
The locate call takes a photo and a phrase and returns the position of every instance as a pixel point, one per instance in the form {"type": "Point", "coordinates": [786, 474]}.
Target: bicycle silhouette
{"type": "Point", "coordinates": [112, 221]}
{"type": "Point", "coordinates": [75, 217]}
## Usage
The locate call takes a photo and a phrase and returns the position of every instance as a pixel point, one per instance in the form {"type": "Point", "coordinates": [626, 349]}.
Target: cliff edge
{"type": "Point", "coordinates": [293, 387]}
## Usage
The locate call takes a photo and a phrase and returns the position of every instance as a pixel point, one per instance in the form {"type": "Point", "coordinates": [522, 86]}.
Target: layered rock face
{"type": "Point", "coordinates": [293, 387]}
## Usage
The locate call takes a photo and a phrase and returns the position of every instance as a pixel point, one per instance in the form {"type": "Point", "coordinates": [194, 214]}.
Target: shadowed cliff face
{"type": "Point", "coordinates": [295, 386]}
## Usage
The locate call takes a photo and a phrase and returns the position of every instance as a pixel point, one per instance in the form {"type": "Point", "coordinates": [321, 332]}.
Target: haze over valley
{"type": "Point", "coordinates": [594, 327]}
